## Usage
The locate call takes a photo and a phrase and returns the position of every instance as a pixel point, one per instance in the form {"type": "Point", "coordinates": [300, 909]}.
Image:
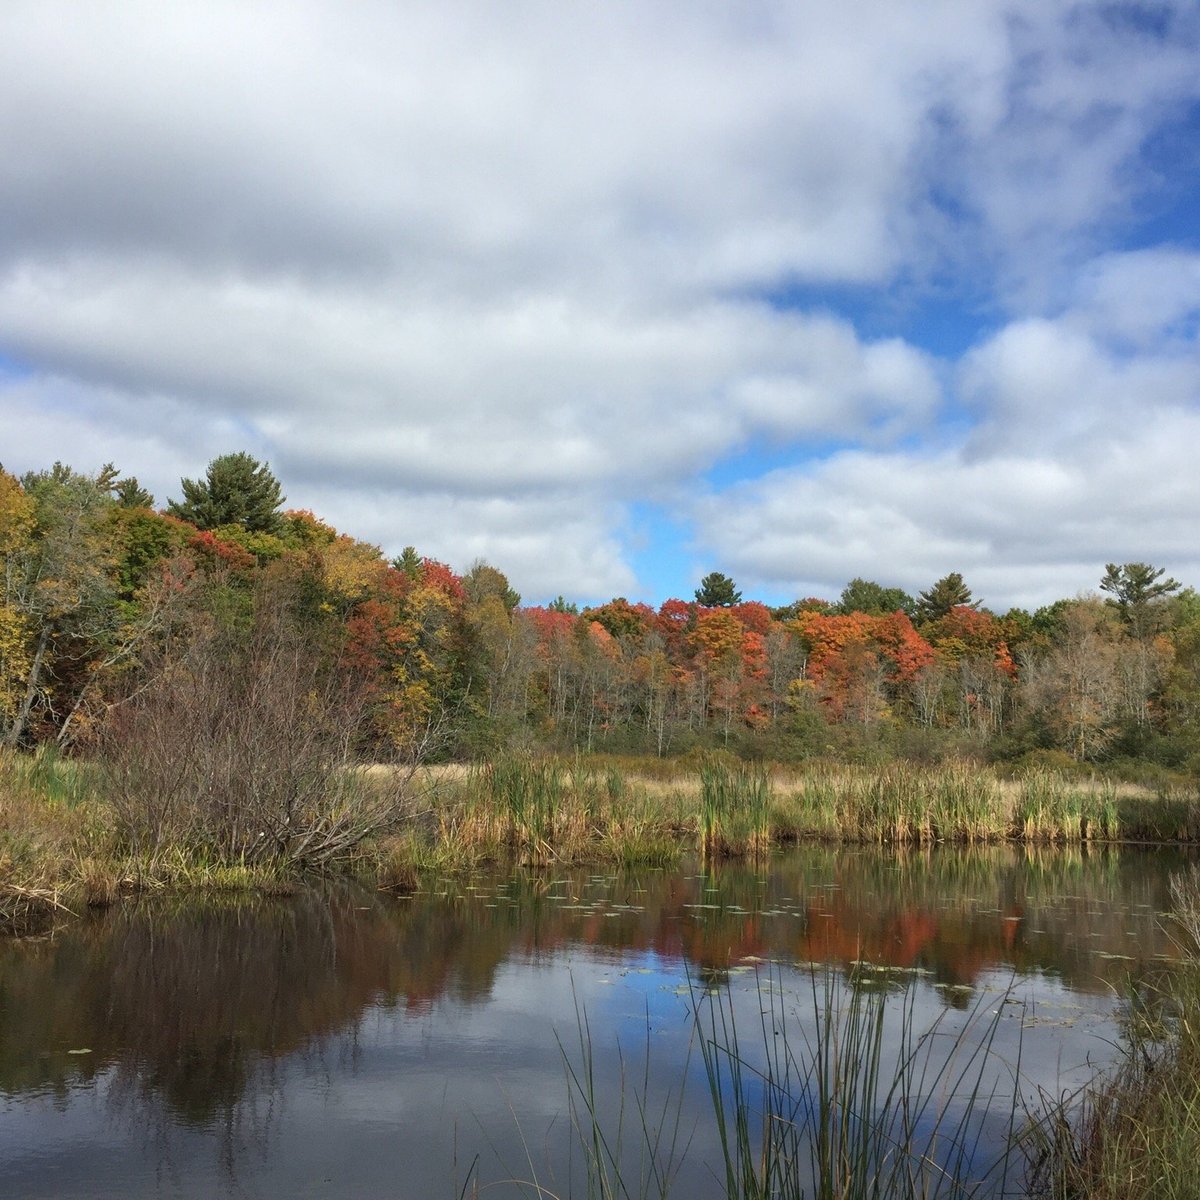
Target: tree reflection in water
{"type": "Point", "coordinates": [197, 1014]}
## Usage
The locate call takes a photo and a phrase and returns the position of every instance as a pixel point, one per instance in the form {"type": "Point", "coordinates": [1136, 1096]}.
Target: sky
{"type": "Point", "coordinates": [614, 295]}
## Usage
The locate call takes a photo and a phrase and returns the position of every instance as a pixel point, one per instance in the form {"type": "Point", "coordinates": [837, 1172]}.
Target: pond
{"type": "Point", "coordinates": [352, 1044]}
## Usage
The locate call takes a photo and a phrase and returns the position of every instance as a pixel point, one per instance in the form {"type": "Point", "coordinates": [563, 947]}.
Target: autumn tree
{"type": "Point", "coordinates": [17, 516]}
{"type": "Point", "coordinates": [727, 656]}
{"type": "Point", "coordinates": [236, 490]}
{"type": "Point", "coordinates": [974, 664]}
{"type": "Point", "coordinates": [1181, 691]}
{"type": "Point", "coordinates": [786, 662]}
{"type": "Point", "coordinates": [59, 578]}
{"type": "Point", "coordinates": [861, 663]}
{"type": "Point", "coordinates": [622, 619]}
{"type": "Point", "coordinates": [405, 638]}
{"type": "Point", "coordinates": [717, 591]}
{"type": "Point", "coordinates": [501, 649]}
{"type": "Point", "coordinates": [1073, 690]}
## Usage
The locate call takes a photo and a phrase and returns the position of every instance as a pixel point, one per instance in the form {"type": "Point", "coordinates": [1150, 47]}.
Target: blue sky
{"type": "Point", "coordinates": [612, 296]}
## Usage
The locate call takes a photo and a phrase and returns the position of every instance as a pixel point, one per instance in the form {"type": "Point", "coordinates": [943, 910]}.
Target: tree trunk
{"type": "Point", "coordinates": [17, 732]}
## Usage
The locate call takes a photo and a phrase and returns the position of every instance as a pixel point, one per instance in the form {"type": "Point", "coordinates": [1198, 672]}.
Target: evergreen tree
{"type": "Point", "coordinates": [717, 591]}
{"type": "Point", "coordinates": [408, 562]}
{"type": "Point", "coordinates": [867, 596]}
{"type": "Point", "coordinates": [128, 493]}
{"type": "Point", "coordinates": [237, 490]}
{"type": "Point", "coordinates": [949, 592]}
{"type": "Point", "coordinates": [1136, 589]}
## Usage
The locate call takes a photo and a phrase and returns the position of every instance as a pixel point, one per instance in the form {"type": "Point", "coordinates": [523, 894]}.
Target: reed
{"type": "Point", "coordinates": [965, 805]}
{"type": "Point", "coordinates": [28, 905]}
{"type": "Point", "coordinates": [1049, 809]}
{"type": "Point", "coordinates": [735, 810]}
{"type": "Point", "coordinates": [55, 780]}
{"type": "Point", "coordinates": [1136, 1135]}
{"type": "Point", "coordinates": [45, 824]}
{"type": "Point", "coordinates": [843, 1113]}
{"type": "Point", "coordinates": [609, 1173]}
{"type": "Point", "coordinates": [882, 806]}
{"type": "Point", "coordinates": [839, 1113]}
{"type": "Point", "coordinates": [808, 806]}
{"type": "Point", "coordinates": [57, 833]}
{"type": "Point", "coordinates": [528, 792]}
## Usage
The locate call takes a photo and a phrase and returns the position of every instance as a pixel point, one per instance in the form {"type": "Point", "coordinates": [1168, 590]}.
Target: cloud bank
{"type": "Point", "coordinates": [486, 279]}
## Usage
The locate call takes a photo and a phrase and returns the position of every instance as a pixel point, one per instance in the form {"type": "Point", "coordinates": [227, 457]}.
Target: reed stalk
{"type": "Point", "coordinates": [845, 1112]}
{"type": "Point", "coordinates": [735, 810]}
{"type": "Point", "coordinates": [842, 1113]}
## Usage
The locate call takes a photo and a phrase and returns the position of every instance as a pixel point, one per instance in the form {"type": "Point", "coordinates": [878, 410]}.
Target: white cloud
{"type": "Point", "coordinates": [1083, 454]}
{"type": "Point", "coordinates": [480, 277]}
{"type": "Point", "coordinates": [353, 388]}
{"type": "Point", "coordinates": [1140, 298]}
{"type": "Point", "coordinates": [1022, 530]}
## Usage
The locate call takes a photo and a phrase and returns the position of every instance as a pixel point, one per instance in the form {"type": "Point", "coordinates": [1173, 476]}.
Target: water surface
{"type": "Point", "coordinates": [350, 1044]}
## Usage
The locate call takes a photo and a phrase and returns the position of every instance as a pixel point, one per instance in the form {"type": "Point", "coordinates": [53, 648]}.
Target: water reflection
{"type": "Point", "coordinates": [242, 1048]}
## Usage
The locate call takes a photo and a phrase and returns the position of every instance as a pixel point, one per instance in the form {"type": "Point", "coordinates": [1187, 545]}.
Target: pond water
{"type": "Point", "coordinates": [345, 1043]}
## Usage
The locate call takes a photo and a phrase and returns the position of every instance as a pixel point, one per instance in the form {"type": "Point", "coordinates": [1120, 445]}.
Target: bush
{"type": "Point", "coordinates": [240, 746]}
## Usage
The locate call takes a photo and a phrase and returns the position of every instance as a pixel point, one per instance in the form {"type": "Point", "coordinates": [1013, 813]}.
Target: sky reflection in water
{"type": "Point", "coordinates": [347, 1044]}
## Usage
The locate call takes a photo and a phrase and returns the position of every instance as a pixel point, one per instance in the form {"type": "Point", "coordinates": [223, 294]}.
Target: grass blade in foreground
{"type": "Point", "coordinates": [850, 1110]}
{"type": "Point", "coordinates": [843, 1113]}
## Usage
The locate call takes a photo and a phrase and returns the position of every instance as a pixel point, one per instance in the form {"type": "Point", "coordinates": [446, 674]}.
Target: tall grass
{"type": "Point", "coordinates": [735, 809]}
{"type": "Point", "coordinates": [44, 824]}
{"type": "Point", "coordinates": [56, 780]}
{"type": "Point", "coordinates": [901, 803]}
{"type": "Point", "coordinates": [528, 793]}
{"type": "Point", "coordinates": [1137, 1136]}
{"type": "Point", "coordinates": [539, 810]}
{"type": "Point", "coordinates": [59, 819]}
{"type": "Point", "coordinates": [845, 1112]}
{"type": "Point", "coordinates": [656, 1127]}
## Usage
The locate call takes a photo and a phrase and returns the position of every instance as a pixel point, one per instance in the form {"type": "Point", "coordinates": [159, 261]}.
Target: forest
{"type": "Point", "coordinates": [222, 695]}
{"type": "Point", "coordinates": [107, 599]}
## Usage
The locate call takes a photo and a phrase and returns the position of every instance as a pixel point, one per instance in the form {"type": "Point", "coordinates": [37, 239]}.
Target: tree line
{"type": "Point", "coordinates": [109, 603]}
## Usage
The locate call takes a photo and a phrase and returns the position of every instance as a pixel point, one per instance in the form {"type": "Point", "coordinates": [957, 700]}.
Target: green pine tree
{"type": "Point", "coordinates": [237, 490]}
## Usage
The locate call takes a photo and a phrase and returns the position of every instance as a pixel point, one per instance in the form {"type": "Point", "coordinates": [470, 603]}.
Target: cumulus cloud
{"type": "Point", "coordinates": [1023, 530]}
{"type": "Point", "coordinates": [536, 395]}
{"type": "Point", "coordinates": [1082, 455]}
{"type": "Point", "coordinates": [480, 278]}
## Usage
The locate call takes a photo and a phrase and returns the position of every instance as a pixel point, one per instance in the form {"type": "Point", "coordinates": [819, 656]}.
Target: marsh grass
{"type": "Point", "coordinates": [56, 780]}
{"type": "Point", "coordinates": [46, 822]}
{"type": "Point", "coordinates": [1136, 1134]}
{"type": "Point", "coordinates": [901, 803]}
{"type": "Point", "coordinates": [541, 810]}
{"type": "Point", "coordinates": [28, 907]}
{"type": "Point", "coordinates": [59, 833]}
{"type": "Point", "coordinates": [628, 812]}
{"type": "Point", "coordinates": [528, 792]}
{"type": "Point", "coordinates": [846, 1111]}
{"type": "Point", "coordinates": [735, 810]}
